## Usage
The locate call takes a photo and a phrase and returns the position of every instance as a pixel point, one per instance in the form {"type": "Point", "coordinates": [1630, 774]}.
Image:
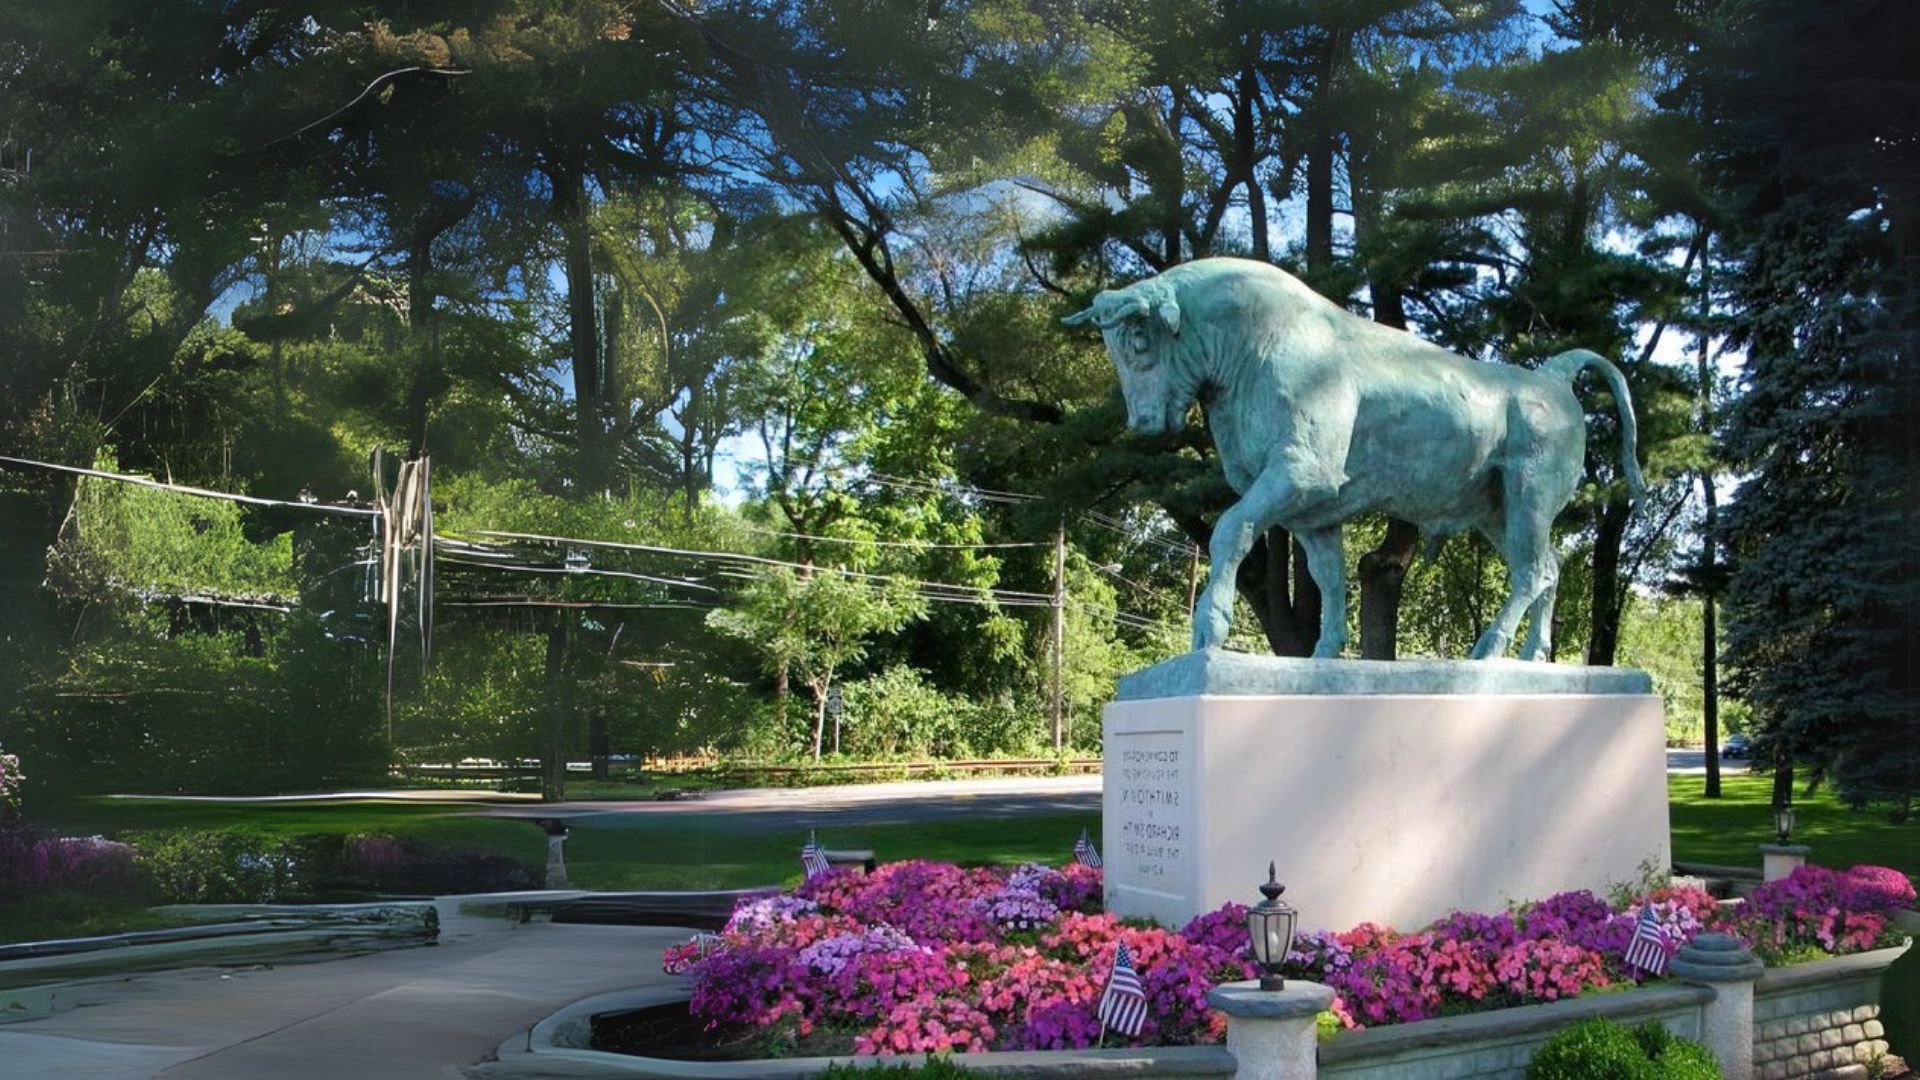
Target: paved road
{"type": "Point", "coordinates": [785, 809]}
{"type": "Point", "coordinates": [782, 809]}
{"type": "Point", "coordinates": [1693, 762]}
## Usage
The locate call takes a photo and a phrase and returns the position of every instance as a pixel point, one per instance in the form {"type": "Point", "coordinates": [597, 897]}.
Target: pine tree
{"type": "Point", "coordinates": [1818, 146]}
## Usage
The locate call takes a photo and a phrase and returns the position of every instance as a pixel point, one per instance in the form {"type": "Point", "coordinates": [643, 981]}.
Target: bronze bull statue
{"type": "Point", "coordinates": [1321, 416]}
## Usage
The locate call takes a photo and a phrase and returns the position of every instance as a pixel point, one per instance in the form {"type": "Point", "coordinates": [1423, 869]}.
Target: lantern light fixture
{"type": "Point", "coordinates": [1270, 924]}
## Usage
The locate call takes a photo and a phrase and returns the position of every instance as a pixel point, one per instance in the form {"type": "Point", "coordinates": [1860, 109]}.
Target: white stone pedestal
{"type": "Point", "coordinates": [1781, 860]}
{"type": "Point", "coordinates": [1385, 792]}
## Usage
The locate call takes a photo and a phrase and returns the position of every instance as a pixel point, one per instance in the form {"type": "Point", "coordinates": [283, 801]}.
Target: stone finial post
{"type": "Point", "coordinates": [556, 830]}
{"type": "Point", "coordinates": [1781, 860]}
{"type": "Point", "coordinates": [1270, 1033]}
{"type": "Point", "coordinates": [1724, 964]}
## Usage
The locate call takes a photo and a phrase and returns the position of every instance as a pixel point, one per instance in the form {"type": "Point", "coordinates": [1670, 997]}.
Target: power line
{"type": "Point", "coordinates": [680, 582]}
{"type": "Point", "coordinates": [923, 544]}
{"type": "Point", "coordinates": [184, 489]}
{"type": "Point", "coordinates": [754, 560]}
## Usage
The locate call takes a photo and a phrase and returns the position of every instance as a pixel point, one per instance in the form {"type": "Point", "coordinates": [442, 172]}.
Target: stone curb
{"type": "Point", "coordinates": [556, 1047]}
{"type": "Point", "coordinates": [1858, 965]}
{"type": "Point", "coordinates": [275, 938]}
{"type": "Point", "coordinates": [1516, 1022]}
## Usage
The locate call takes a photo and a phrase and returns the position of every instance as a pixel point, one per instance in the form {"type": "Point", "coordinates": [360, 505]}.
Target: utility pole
{"type": "Point", "coordinates": [1059, 630]}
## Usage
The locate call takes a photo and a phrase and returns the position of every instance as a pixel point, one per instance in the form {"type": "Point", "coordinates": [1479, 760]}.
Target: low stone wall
{"type": "Point", "coordinates": [246, 934]}
{"type": "Point", "coordinates": [560, 1046]}
{"type": "Point", "coordinates": [1811, 1019]}
{"type": "Point", "coordinates": [1497, 1045]}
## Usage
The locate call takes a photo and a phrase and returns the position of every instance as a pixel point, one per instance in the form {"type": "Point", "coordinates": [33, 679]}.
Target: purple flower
{"type": "Point", "coordinates": [757, 913]}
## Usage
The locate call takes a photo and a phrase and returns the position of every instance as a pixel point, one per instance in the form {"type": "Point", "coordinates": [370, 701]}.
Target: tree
{"type": "Point", "coordinates": [1817, 150]}
{"type": "Point", "coordinates": [808, 626]}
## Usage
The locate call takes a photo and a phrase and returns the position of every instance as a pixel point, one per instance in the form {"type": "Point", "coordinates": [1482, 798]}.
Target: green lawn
{"type": "Point", "coordinates": [628, 851]}
{"type": "Point", "coordinates": [696, 851]}
{"type": "Point", "coordinates": [1726, 830]}
{"type": "Point", "coordinates": [71, 914]}
{"type": "Point", "coordinates": [453, 827]}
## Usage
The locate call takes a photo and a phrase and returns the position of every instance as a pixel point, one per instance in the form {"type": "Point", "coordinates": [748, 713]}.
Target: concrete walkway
{"type": "Point", "coordinates": [419, 1012]}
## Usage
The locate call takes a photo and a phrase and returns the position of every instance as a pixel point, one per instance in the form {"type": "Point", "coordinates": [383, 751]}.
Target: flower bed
{"type": "Point", "coordinates": [922, 956]}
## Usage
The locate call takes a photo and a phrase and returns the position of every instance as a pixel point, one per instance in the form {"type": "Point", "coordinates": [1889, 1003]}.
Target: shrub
{"type": "Point", "coordinates": [218, 866]}
{"type": "Point", "coordinates": [898, 712]}
{"type": "Point", "coordinates": [1604, 1050]}
{"type": "Point", "coordinates": [89, 864]}
{"type": "Point", "coordinates": [388, 865]}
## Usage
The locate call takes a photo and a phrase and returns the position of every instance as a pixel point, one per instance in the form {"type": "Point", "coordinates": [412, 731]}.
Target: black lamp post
{"type": "Point", "coordinates": [1783, 821]}
{"type": "Point", "coordinates": [1270, 924]}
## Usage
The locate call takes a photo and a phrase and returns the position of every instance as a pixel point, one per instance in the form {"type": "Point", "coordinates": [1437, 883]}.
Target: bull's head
{"type": "Point", "coordinates": [1140, 324]}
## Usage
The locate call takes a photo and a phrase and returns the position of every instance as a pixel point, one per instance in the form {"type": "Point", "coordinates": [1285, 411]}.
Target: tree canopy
{"type": "Point", "coordinates": [731, 331]}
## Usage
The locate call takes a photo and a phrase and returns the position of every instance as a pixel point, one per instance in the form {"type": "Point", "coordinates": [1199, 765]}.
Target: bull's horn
{"type": "Point", "coordinates": [1078, 318]}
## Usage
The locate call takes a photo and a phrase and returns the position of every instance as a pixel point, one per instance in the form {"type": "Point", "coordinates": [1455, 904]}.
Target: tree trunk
{"type": "Point", "coordinates": [1321, 146]}
{"type": "Point", "coordinates": [553, 753]}
{"type": "Point", "coordinates": [1383, 578]}
{"type": "Point", "coordinates": [1709, 549]}
{"type": "Point", "coordinates": [599, 744]}
{"type": "Point", "coordinates": [424, 331]}
{"type": "Point", "coordinates": [1320, 191]}
{"type": "Point", "coordinates": [819, 720]}
{"type": "Point", "coordinates": [1607, 593]}
{"type": "Point", "coordinates": [1263, 585]}
{"type": "Point", "coordinates": [570, 209]}
{"type": "Point", "coordinates": [1382, 571]}
{"type": "Point", "coordinates": [1244, 147]}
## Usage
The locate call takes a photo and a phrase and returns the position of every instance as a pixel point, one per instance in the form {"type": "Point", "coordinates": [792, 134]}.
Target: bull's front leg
{"type": "Point", "coordinates": [1233, 538]}
{"type": "Point", "coordinates": [1327, 562]}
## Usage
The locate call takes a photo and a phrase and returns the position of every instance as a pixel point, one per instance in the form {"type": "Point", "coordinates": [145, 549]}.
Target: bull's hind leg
{"type": "Point", "coordinates": [1532, 570]}
{"type": "Point", "coordinates": [1539, 643]}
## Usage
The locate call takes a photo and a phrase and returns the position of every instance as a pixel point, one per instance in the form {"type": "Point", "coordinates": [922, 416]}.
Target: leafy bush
{"type": "Point", "coordinates": [1604, 1050]}
{"type": "Point", "coordinates": [218, 866]}
{"type": "Point", "coordinates": [30, 866]}
{"type": "Point", "coordinates": [1680, 1059]}
{"type": "Point", "coordinates": [898, 712]}
{"type": "Point", "coordinates": [388, 865]}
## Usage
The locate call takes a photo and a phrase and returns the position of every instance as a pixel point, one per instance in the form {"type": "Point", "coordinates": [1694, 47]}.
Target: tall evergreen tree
{"type": "Point", "coordinates": [1816, 119]}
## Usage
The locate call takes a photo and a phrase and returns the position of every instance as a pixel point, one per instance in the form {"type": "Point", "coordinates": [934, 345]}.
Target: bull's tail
{"type": "Point", "coordinates": [1567, 365]}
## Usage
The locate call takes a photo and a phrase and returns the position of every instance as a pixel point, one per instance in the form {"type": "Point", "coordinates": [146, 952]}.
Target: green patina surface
{"type": "Point", "coordinates": [1321, 416]}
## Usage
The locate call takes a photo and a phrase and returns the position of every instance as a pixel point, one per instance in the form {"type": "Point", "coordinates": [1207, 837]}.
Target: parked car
{"type": "Point", "coordinates": [1737, 746]}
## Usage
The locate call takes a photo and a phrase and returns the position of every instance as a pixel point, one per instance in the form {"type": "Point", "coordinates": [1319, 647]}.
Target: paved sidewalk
{"type": "Point", "coordinates": [419, 1012]}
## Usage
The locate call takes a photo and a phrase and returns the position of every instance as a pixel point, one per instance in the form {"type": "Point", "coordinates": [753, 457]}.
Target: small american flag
{"type": "Point", "coordinates": [1648, 949]}
{"type": "Point", "coordinates": [702, 945]}
{"type": "Point", "coordinates": [1084, 852]}
{"type": "Point", "coordinates": [812, 860]}
{"type": "Point", "coordinates": [1123, 1007]}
